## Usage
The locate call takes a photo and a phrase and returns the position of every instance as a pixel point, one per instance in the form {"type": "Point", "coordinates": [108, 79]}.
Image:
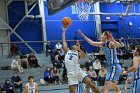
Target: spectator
{"type": "Point", "coordinates": [31, 86]}
{"type": "Point", "coordinates": [55, 73]}
{"type": "Point", "coordinates": [58, 46]}
{"type": "Point", "coordinates": [56, 62]}
{"type": "Point", "coordinates": [14, 49]}
{"type": "Point", "coordinates": [102, 74]}
{"type": "Point", "coordinates": [122, 42]}
{"type": "Point", "coordinates": [1, 89]}
{"type": "Point", "coordinates": [87, 64]}
{"type": "Point", "coordinates": [97, 66]}
{"type": "Point", "coordinates": [15, 65]}
{"type": "Point", "coordinates": [129, 50]}
{"type": "Point", "coordinates": [92, 74]}
{"type": "Point", "coordinates": [122, 49]}
{"type": "Point", "coordinates": [33, 62]}
{"type": "Point", "coordinates": [54, 53]}
{"type": "Point", "coordinates": [7, 87]}
{"type": "Point", "coordinates": [48, 75]}
{"type": "Point", "coordinates": [64, 75]}
{"type": "Point", "coordinates": [48, 49]}
{"type": "Point", "coordinates": [24, 62]}
{"type": "Point", "coordinates": [62, 54]}
{"type": "Point", "coordinates": [92, 57]}
{"type": "Point", "coordinates": [17, 82]}
{"type": "Point", "coordinates": [60, 67]}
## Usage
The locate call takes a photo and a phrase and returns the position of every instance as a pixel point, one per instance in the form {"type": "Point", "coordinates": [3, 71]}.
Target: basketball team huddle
{"type": "Point", "coordinates": [109, 45]}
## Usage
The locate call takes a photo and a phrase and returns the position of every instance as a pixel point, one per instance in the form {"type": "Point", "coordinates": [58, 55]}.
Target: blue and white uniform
{"type": "Point", "coordinates": [114, 68]}
{"type": "Point", "coordinates": [74, 72]}
{"type": "Point", "coordinates": [131, 75]}
{"type": "Point", "coordinates": [80, 87]}
{"type": "Point", "coordinates": [136, 83]}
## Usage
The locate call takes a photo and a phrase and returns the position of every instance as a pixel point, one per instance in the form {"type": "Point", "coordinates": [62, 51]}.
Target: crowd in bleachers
{"type": "Point", "coordinates": [128, 45]}
{"type": "Point", "coordinates": [20, 62]}
{"type": "Point", "coordinates": [13, 84]}
{"type": "Point", "coordinates": [93, 66]}
{"type": "Point", "coordinates": [57, 74]}
{"type": "Point", "coordinates": [25, 62]}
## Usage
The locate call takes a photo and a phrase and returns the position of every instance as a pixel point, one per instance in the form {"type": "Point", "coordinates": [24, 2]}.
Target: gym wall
{"type": "Point", "coordinates": [119, 25]}
{"type": "Point", "coordinates": [54, 26]}
{"type": "Point", "coordinates": [30, 29]}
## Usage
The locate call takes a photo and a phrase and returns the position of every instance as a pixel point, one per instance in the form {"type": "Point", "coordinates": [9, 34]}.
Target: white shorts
{"type": "Point", "coordinates": [75, 76]}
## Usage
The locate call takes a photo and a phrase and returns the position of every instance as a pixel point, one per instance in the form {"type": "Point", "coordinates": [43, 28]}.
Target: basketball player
{"type": "Point", "coordinates": [31, 87]}
{"type": "Point", "coordinates": [74, 72]}
{"type": "Point", "coordinates": [136, 69]}
{"type": "Point", "coordinates": [114, 69]}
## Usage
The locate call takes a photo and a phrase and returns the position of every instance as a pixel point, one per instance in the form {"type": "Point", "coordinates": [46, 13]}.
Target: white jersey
{"type": "Point", "coordinates": [74, 72]}
{"type": "Point", "coordinates": [14, 63]}
{"type": "Point", "coordinates": [72, 61]}
{"type": "Point", "coordinates": [31, 89]}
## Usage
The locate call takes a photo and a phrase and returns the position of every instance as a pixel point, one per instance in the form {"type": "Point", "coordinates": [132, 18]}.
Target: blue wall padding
{"type": "Point", "coordinates": [54, 26]}
{"type": "Point", "coordinates": [28, 30]}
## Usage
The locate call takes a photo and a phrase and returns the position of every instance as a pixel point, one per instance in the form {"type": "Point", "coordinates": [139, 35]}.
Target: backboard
{"type": "Point", "coordinates": [55, 6]}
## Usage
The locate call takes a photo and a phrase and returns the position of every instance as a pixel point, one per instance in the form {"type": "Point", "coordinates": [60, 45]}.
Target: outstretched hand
{"type": "Point", "coordinates": [77, 43]}
{"type": "Point", "coordinates": [80, 32]}
{"type": "Point", "coordinates": [64, 28]}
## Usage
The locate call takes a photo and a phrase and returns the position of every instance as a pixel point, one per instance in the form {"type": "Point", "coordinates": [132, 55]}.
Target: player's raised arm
{"type": "Point", "coordinates": [98, 44]}
{"type": "Point", "coordinates": [113, 41]}
{"type": "Point", "coordinates": [77, 43]}
{"type": "Point", "coordinates": [81, 53]}
{"type": "Point", "coordinates": [64, 40]}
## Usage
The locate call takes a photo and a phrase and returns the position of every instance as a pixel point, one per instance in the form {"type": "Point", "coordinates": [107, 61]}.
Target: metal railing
{"type": "Point", "coordinates": [37, 46]}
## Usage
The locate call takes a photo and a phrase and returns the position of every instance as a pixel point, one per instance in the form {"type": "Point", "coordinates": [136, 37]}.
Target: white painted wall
{"type": "Point", "coordinates": [3, 28]}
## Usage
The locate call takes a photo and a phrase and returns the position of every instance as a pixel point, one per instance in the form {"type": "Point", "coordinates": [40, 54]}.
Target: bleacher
{"type": "Point", "coordinates": [37, 73]}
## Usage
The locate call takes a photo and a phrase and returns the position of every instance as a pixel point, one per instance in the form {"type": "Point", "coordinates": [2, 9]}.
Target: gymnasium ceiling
{"type": "Point", "coordinates": [28, 1]}
{"type": "Point", "coordinates": [107, 1]}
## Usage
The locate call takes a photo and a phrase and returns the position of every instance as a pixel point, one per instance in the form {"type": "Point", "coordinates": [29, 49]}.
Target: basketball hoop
{"type": "Point", "coordinates": [127, 2]}
{"type": "Point", "coordinates": [83, 8]}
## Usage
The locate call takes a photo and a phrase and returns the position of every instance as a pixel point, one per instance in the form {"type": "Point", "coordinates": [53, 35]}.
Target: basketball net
{"type": "Point", "coordinates": [83, 8]}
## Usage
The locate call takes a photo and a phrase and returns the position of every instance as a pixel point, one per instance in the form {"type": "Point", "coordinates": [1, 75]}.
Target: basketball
{"type": "Point", "coordinates": [66, 21]}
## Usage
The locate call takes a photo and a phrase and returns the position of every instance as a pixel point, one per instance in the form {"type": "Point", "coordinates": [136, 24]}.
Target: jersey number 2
{"type": "Point", "coordinates": [70, 57]}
